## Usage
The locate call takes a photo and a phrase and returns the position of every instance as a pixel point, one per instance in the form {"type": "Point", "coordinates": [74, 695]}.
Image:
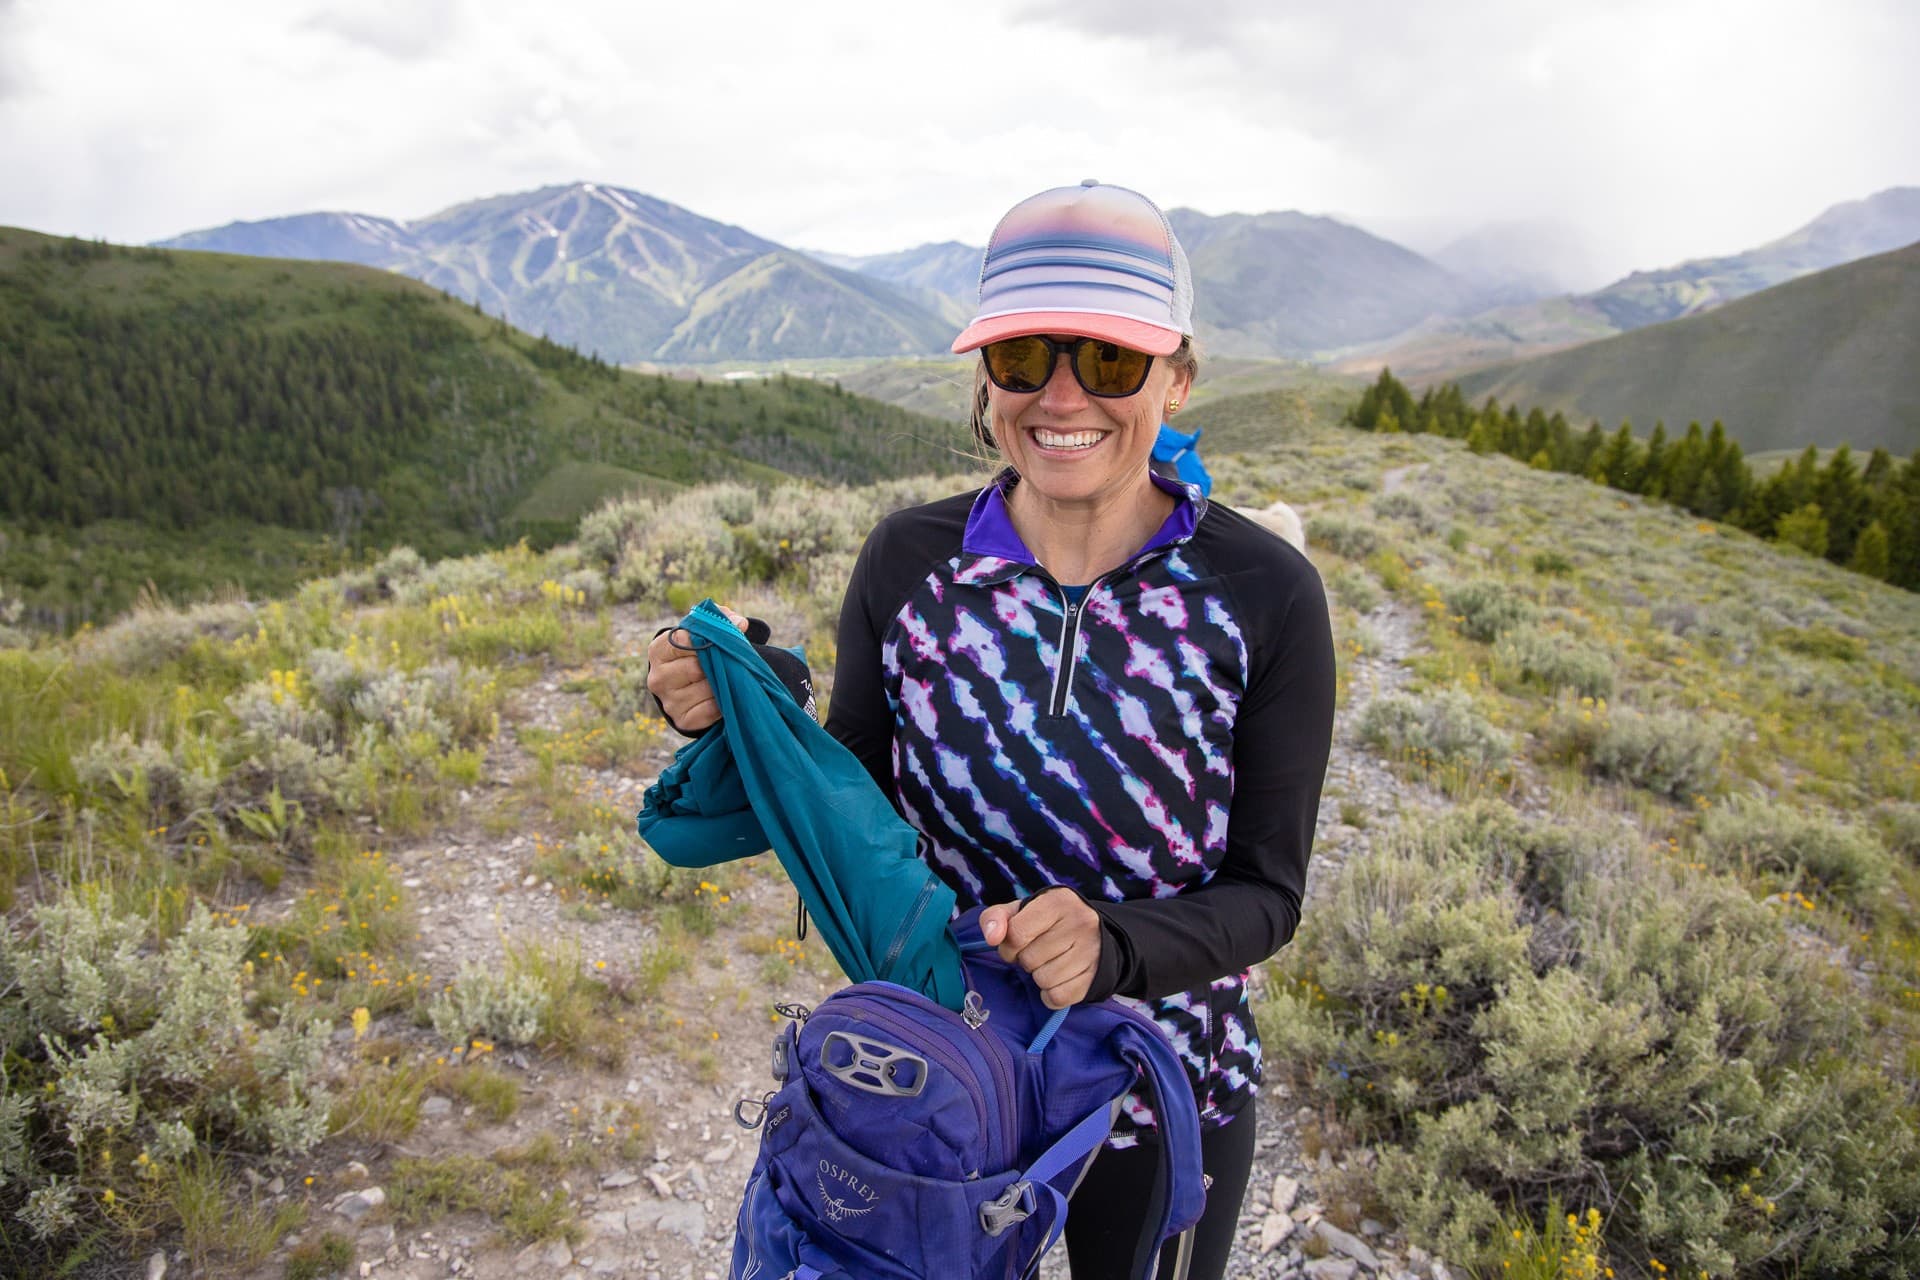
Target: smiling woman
{"type": "Point", "coordinates": [1084, 678]}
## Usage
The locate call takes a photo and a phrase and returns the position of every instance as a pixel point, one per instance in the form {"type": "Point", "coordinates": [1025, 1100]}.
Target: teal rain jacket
{"type": "Point", "coordinates": [768, 774]}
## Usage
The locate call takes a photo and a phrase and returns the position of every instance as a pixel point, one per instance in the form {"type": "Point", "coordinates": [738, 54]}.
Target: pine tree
{"type": "Point", "coordinates": [1843, 499]}
{"type": "Point", "coordinates": [1805, 528]}
{"type": "Point", "coordinates": [1870, 552]}
{"type": "Point", "coordinates": [1653, 464]}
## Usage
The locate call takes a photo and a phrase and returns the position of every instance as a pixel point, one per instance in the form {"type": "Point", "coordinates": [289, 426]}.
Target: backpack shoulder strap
{"type": "Point", "coordinates": [1177, 1121]}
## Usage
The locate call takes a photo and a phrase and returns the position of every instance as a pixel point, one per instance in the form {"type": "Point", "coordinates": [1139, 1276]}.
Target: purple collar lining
{"type": "Point", "coordinates": [990, 530]}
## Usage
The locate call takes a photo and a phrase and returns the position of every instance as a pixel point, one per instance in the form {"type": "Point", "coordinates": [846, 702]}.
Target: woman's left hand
{"type": "Point", "coordinates": [1056, 938]}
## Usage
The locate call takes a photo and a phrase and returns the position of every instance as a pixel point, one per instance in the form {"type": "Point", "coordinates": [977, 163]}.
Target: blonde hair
{"type": "Point", "coordinates": [980, 414]}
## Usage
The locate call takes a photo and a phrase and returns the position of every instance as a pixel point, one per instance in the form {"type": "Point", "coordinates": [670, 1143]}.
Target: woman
{"type": "Point", "coordinates": [1106, 704]}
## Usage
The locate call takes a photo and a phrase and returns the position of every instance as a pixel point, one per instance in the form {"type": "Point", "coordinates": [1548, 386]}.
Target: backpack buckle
{"type": "Point", "coordinates": [1010, 1208]}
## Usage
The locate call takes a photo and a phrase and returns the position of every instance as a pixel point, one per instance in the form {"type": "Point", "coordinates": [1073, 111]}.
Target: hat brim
{"type": "Point", "coordinates": [1151, 338]}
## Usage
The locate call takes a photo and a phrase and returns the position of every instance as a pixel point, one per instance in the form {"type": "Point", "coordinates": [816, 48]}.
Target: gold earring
{"type": "Point", "coordinates": [1173, 406]}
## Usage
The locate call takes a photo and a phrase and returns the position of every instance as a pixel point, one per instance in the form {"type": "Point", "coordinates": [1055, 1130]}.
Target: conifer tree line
{"type": "Point", "coordinates": [1866, 518]}
{"type": "Point", "coordinates": [160, 388]}
{"type": "Point", "coordinates": [212, 414]}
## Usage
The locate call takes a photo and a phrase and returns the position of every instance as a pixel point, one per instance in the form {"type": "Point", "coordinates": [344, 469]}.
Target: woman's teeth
{"type": "Point", "coordinates": [1066, 439]}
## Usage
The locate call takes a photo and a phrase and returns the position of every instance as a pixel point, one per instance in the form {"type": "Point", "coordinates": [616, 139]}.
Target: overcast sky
{"type": "Point", "coordinates": [1657, 130]}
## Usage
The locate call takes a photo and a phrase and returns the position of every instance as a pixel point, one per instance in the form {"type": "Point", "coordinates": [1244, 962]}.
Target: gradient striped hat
{"type": "Point", "coordinates": [1095, 260]}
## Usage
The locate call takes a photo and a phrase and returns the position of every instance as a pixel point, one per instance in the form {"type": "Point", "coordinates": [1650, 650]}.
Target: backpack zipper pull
{"type": "Point", "coordinates": [974, 1011]}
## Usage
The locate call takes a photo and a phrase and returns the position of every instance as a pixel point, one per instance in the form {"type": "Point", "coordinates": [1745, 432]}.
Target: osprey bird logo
{"type": "Point", "coordinates": [839, 1210]}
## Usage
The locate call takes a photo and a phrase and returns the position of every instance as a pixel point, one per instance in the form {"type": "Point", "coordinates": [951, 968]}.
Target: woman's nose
{"type": "Point", "coordinates": [1063, 390]}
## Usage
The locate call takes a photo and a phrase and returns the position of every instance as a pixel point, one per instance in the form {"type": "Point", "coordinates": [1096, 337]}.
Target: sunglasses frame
{"type": "Point", "coordinates": [1055, 349]}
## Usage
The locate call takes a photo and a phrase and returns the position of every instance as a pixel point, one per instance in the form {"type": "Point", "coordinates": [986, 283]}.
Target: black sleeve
{"type": "Point", "coordinates": [893, 562]}
{"type": "Point", "coordinates": [1282, 735]}
{"type": "Point", "coordinates": [857, 713]}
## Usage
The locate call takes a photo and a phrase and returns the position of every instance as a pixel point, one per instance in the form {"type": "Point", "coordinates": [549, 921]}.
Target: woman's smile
{"type": "Point", "coordinates": [1052, 441]}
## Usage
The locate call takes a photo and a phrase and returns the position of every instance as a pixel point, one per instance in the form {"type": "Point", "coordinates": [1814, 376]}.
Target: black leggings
{"type": "Point", "coordinates": [1120, 1192]}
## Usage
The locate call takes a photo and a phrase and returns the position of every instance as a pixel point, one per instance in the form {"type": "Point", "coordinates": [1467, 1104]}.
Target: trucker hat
{"type": "Point", "coordinates": [1094, 259]}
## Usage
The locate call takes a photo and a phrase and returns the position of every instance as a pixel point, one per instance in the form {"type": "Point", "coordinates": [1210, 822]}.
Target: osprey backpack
{"type": "Point", "coordinates": [905, 1140]}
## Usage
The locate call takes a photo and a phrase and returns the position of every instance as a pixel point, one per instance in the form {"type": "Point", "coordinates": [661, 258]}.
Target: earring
{"type": "Point", "coordinates": [1173, 406]}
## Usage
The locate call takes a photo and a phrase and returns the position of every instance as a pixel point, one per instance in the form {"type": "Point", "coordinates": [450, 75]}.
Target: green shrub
{"type": "Point", "coordinates": [675, 552]}
{"type": "Point", "coordinates": [398, 566]}
{"type": "Point", "coordinates": [1554, 662]}
{"type": "Point", "coordinates": [512, 1008]}
{"type": "Point", "coordinates": [1670, 753]}
{"type": "Point", "coordinates": [124, 1059]}
{"type": "Point", "coordinates": [1786, 841]}
{"type": "Point", "coordinates": [147, 775]}
{"type": "Point", "coordinates": [1443, 727]}
{"type": "Point", "coordinates": [1900, 830]}
{"type": "Point", "coordinates": [1517, 1009]}
{"type": "Point", "coordinates": [151, 636]}
{"type": "Point", "coordinates": [1823, 642]}
{"type": "Point", "coordinates": [1354, 588]}
{"type": "Point", "coordinates": [615, 868]}
{"type": "Point", "coordinates": [1487, 608]}
{"type": "Point", "coordinates": [1342, 537]}
{"type": "Point", "coordinates": [793, 526]}
{"type": "Point", "coordinates": [1404, 506]}
{"type": "Point", "coordinates": [472, 577]}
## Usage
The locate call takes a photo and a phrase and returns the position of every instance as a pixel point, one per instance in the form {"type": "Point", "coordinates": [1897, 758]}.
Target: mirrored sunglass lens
{"type": "Point", "coordinates": [1019, 364]}
{"type": "Point", "coordinates": [1107, 369]}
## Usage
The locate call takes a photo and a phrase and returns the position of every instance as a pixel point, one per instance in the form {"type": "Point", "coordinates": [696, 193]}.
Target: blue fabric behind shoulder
{"type": "Point", "coordinates": [770, 775]}
{"type": "Point", "coordinates": [1179, 452]}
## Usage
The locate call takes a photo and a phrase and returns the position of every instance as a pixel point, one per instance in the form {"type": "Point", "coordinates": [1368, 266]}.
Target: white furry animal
{"type": "Point", "coordinates": [1283, 520]}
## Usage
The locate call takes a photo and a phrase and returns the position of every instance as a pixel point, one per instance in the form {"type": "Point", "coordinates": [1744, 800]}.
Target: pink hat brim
{"type": "Point", "coordinates": [1138, 334]}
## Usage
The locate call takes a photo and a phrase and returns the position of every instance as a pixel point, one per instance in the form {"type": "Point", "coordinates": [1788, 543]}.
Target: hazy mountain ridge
{"type": "Point", "coordinates": [1844, 233]}
{"type": "Point", "coordinates": [1295, 284]}
{"type": "Point", "coordinates": [1827, 358]}
{"type": "Point", "coordinates": [634, 277]}
{"type": "Point", "coordinates": [612, 271]}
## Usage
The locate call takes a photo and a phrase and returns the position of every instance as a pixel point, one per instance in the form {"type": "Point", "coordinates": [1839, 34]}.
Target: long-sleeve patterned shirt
{"type": "Point", "coordinates": [1157, 744]}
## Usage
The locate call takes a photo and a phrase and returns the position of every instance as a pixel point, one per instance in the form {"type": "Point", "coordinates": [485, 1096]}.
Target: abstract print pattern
{"type": "Point", "coordinates": [1118, 784]}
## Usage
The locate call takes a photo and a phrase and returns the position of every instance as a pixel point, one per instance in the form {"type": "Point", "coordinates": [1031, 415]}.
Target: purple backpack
{"type": "Point", "coordinates": [907, 1141]}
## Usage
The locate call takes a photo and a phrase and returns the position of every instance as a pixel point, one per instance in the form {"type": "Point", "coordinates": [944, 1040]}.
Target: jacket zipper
{"type": "Point", "coordinates": [907, 926]}
{"type": "Point", "coordinates": [1069, 642]}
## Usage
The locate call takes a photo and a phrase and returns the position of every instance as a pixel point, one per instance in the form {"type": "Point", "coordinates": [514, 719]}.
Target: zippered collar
{"type": "Point", "coordinates": [991, 549]}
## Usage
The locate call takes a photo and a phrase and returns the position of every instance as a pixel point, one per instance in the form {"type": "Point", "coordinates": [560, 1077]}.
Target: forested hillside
{"type": "Point", "coordinates": [1827, 358]}
{"type": "Point", "coordinates": [198, 392]}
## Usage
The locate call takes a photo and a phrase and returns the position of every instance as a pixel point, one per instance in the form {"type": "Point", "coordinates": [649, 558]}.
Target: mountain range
{"type": "Point", "coordinates": [636, 279]}
{"type": "Point", "coordinates": [1443, 346]}
{"type": "Point", "coordinates": [631, 277]}
{"type": "Point", "coordinates": [613, 272]}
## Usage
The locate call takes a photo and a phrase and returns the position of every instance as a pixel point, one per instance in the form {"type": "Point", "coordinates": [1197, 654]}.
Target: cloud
{"type": "Point", "coordinates": [1660, 130]}
{"type": "Point", "coordinates": [1665, 128]}
{"type": "Point", "coordinates": [13, 77]}
{"type": "Point", "coordinates": [403, 32]}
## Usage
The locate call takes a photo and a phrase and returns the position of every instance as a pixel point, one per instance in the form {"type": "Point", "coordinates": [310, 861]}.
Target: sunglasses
{"type": "Point", "coordinates": [1105, 369]}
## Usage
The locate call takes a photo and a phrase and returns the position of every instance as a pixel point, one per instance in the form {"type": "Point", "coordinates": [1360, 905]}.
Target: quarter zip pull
{"type": "Point", "coordinates": [1069, 645]}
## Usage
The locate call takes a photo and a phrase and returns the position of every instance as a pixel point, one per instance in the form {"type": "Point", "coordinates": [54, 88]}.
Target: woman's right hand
{"type": "Point", "coordinates": [674, 678]}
